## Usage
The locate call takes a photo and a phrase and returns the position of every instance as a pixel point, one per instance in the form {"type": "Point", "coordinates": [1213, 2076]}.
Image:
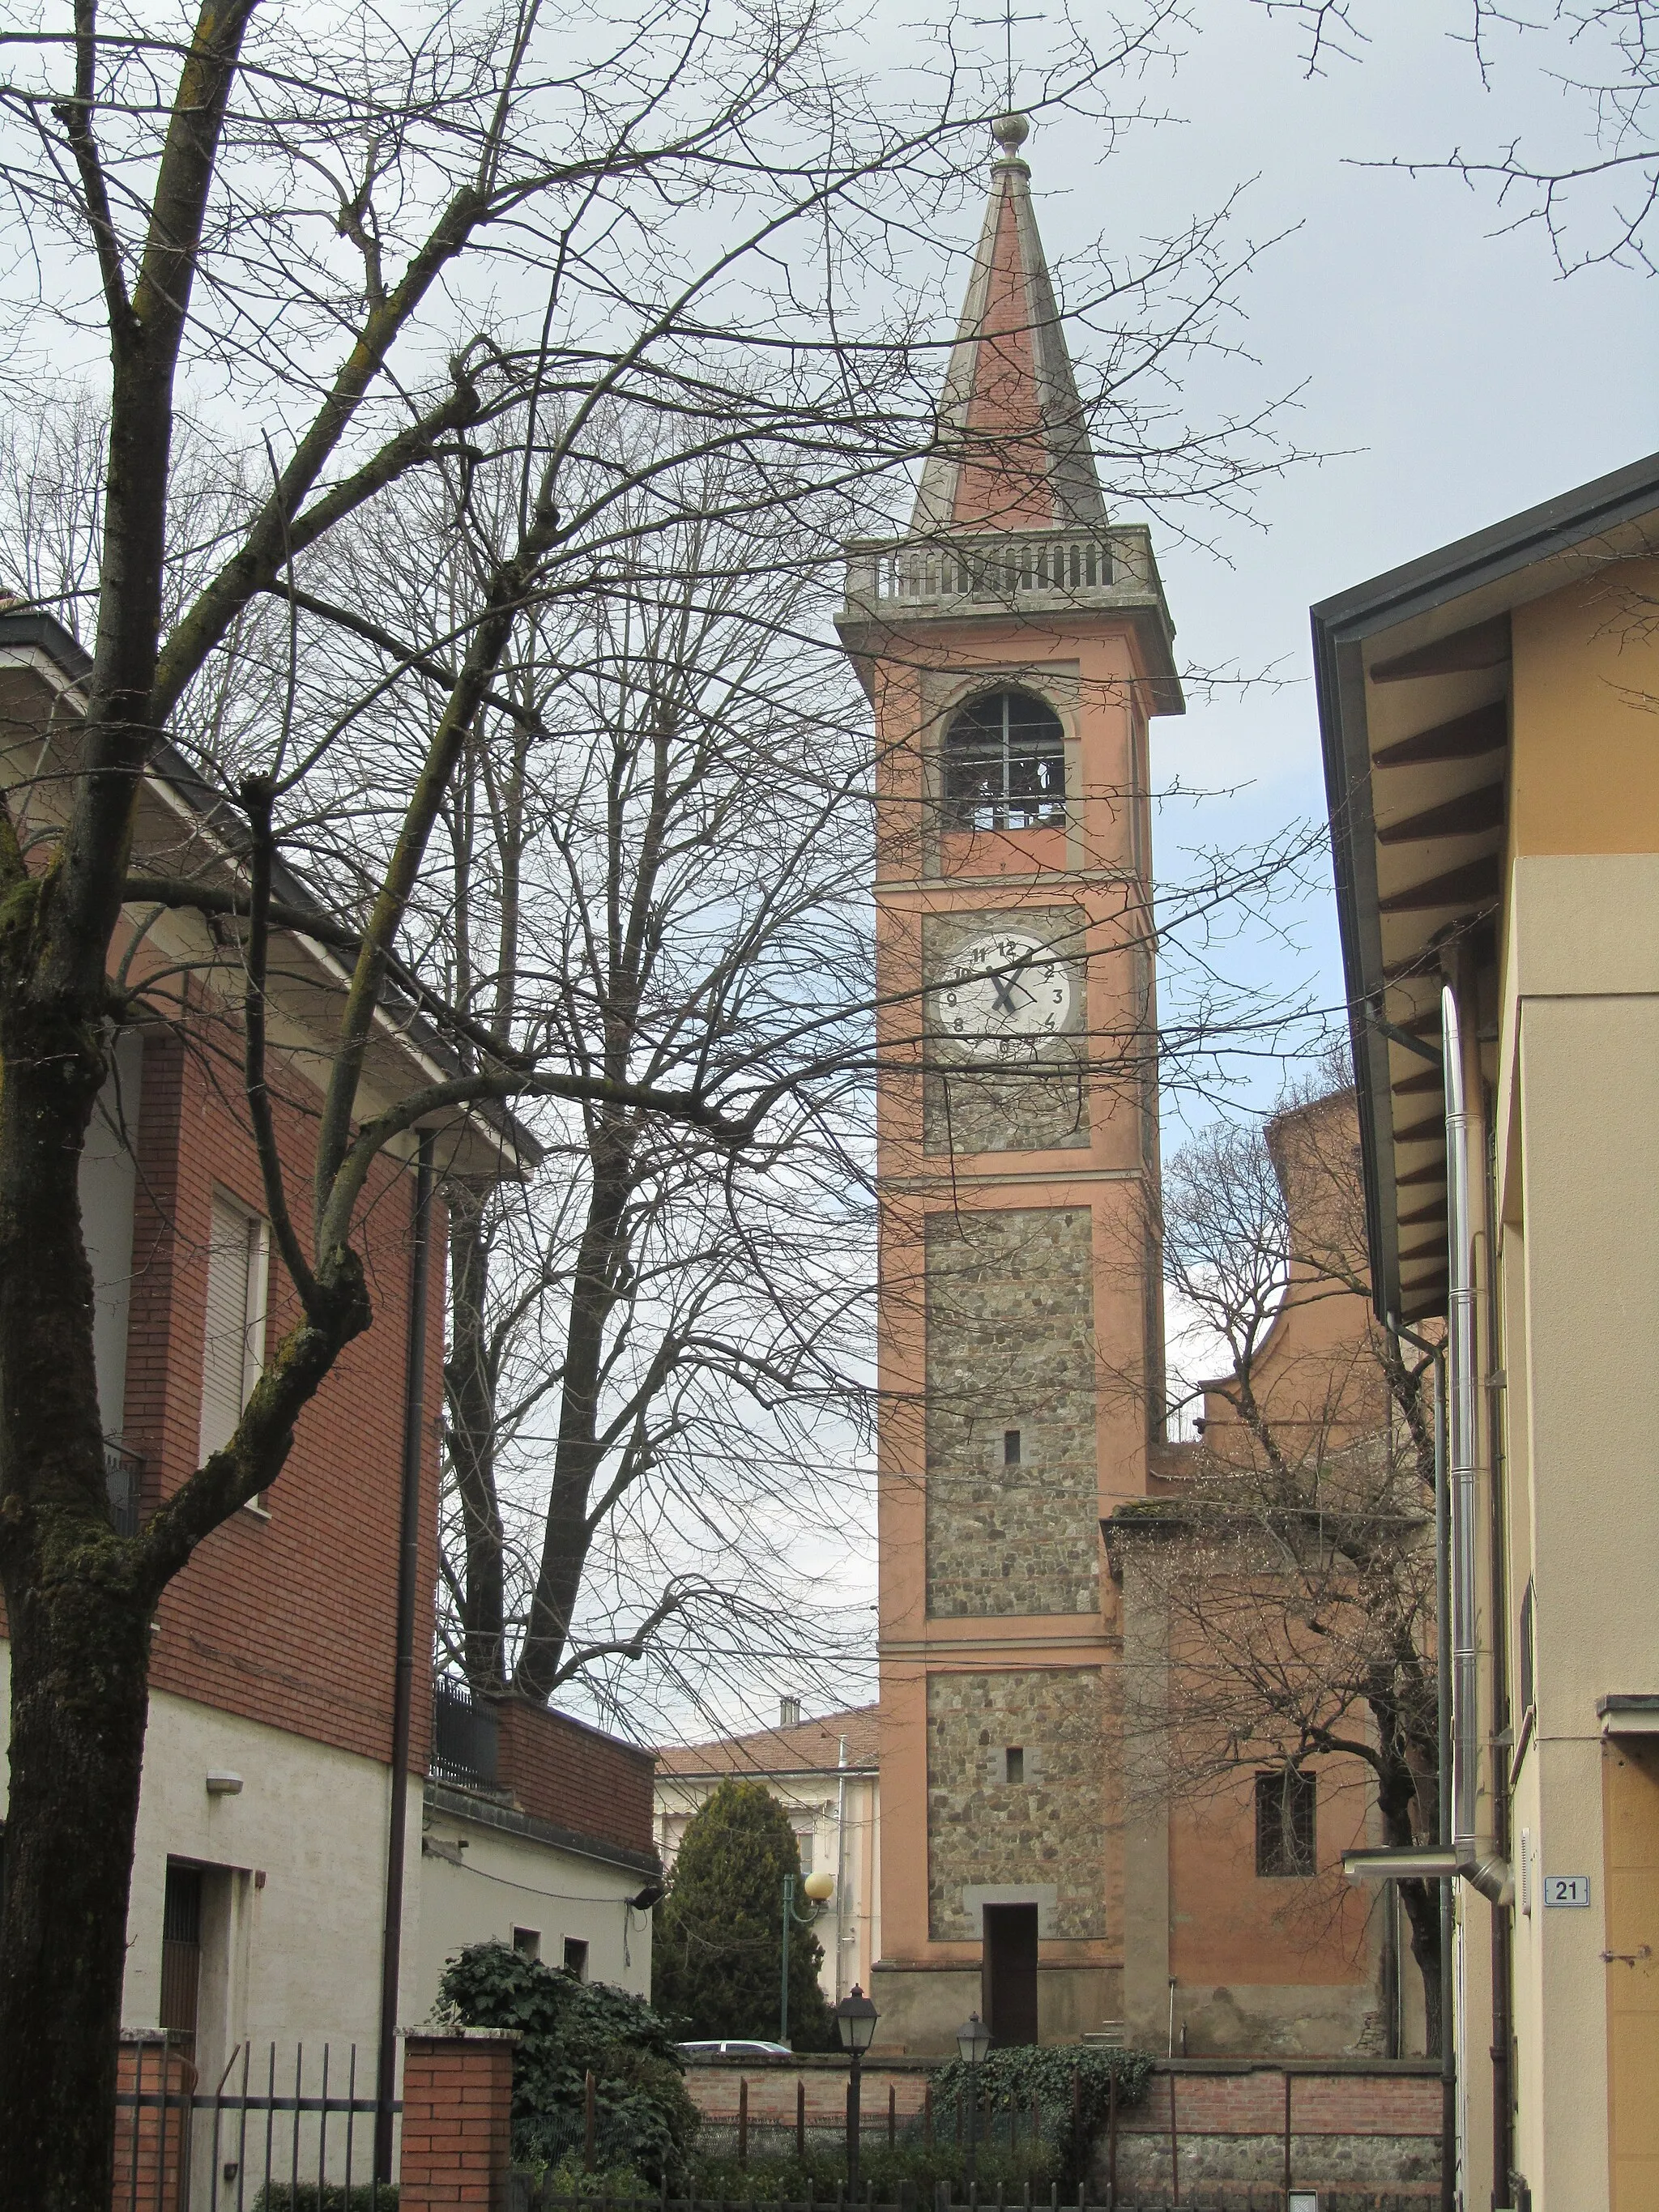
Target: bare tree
{"type": "Point", "coordinates": [1293, 1558]}
{"type": "Point", "coordinates": [1594, 192]}
{"type": "Point", "coordinates": [661, 862]}
{"type": "Point", "coordinates": [353, 247]}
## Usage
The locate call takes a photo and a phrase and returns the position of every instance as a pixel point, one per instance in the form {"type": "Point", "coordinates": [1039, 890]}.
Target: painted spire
{"type": "Point", "coordinates": [1013, 449]}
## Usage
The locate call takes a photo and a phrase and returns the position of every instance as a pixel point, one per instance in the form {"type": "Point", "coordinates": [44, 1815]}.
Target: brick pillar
{"type": "Point", "coordinates": [458, 2121]}
{"type": "Point", "coordinates": [156, 2081]}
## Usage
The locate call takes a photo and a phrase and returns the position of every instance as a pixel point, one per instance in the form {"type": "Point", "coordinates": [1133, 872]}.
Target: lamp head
{"type": "Point", "coordinates": [973, 2039]}
{"type": "Point", "coordinates": [820, 1887]}
{"type": "Point", "coordinates": [855, 2020]}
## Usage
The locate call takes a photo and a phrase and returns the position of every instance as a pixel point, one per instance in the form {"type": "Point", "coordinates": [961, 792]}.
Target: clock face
{"type": "Point", "coordinates": [1002, 998]}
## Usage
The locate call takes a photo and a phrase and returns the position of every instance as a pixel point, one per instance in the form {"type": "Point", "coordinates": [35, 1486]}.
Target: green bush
{"type": "Point", "coordinates": [283, 2196]}
{"type": "Point", "coordinates": [1073, 2087]}
{"type": "Point", "coordinates": [644, 2119]}
{"type": "Point", "coordinates": [715, 1952]}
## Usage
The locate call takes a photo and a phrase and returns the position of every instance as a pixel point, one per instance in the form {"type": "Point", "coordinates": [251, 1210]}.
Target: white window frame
{"type": "Point", "coordinates": [256, 1231]}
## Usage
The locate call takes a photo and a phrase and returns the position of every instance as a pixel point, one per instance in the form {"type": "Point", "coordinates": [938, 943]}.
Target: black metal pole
{"type": "Point", "coordinates": [973, 2126]}
{"type": "Point", "coordinates": [402, 1696]}
{"type": "Point", "coordinates": [855, 2123]}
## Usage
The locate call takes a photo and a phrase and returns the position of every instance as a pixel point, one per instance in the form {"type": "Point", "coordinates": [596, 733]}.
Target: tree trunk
{"type": "Point", "coordinates": [567, 1535]}
{"type": "Point", "coordinates": [80, 1653]}
{"type": "Point", "coordinates": [1402, 1789]}
{"type": "Point", "coordinates": [470, 1384]}
{"type": "Point", "coordinates": [79, 1601]}
{"type": "Point", "coordinates": [1420, 1902]}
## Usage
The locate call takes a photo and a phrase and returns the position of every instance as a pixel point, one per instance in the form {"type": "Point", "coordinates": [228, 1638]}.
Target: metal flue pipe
{"type": "Point", "coordinates": [1488, 1873]}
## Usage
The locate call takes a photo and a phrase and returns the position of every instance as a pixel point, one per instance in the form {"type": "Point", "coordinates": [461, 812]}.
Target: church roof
{"type": "Point", "coordinates": [1012, 447]}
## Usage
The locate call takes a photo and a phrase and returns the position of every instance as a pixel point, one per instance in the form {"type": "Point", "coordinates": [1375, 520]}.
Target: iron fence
{"type": "Point", "coordinates": [274, 2134]}
{"type": "Point", "coordinates": [466, 1736]}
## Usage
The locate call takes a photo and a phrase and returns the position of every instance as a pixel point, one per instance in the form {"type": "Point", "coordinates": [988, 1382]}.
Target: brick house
{"type": "Point", "coordinates": [260, 1879]}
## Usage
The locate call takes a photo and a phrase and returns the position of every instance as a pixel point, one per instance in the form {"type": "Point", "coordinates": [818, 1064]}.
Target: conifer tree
{"type": "Point", "coordinates": [716, 1956]}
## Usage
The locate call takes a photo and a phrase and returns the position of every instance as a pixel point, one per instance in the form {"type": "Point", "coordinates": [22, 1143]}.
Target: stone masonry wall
{"type": "Point", "coordinates": [1010, 1330]}
{"type": "Point", "coordinates": [1042, 1108]}
{"type": "Point", "coordinates": [1043, 1837]}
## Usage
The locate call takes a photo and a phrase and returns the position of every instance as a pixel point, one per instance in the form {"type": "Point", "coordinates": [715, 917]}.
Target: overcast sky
{"type": "Point", "coordinates": [1449, 371]}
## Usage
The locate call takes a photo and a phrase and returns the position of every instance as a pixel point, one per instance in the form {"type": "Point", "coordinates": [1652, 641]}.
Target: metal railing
{"type": "Point", "coordinates": [466, 1736]}
{"type": "Point", "coordinates": [275, 2134]}
{"type": "Point", "coordinates": [1012, 569]}
{"type": "Point", "coordinates": [124, 1472]}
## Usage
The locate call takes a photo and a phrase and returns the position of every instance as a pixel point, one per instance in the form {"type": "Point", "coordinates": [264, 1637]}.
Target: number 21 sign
{"type": "Point", "coordinates": [1566, 1889]}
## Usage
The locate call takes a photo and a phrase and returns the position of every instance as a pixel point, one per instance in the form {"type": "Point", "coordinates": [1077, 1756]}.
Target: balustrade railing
{"type": "Point", "coordinates": [919, 573]}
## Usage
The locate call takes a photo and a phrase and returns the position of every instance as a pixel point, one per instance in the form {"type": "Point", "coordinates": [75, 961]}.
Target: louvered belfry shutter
{"type": "Point", "coordinates": [229, 1359]}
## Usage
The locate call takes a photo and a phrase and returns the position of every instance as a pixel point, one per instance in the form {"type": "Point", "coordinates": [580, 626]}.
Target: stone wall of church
{"type": "Point", "coordinates": [1042, 1108]}
{"type": "Point", "coordinates": [1009, 1310]}
{"type": "Point", "coordinates": [1043, 1839]}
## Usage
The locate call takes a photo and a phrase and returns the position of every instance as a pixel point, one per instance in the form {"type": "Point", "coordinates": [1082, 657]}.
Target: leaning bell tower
{"type": "Point", "coordinates": [1014, 644]}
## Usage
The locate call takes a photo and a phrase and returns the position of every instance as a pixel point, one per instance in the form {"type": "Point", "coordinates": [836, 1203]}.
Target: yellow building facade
{"type": "Point", "coordinates": [1491, 723]}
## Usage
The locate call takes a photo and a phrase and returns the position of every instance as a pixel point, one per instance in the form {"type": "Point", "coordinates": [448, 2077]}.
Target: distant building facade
{"type": "Point", "coordinates": [825, 1773]}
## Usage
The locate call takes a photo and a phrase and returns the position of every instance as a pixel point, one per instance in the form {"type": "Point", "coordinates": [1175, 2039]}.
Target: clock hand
{"type": "Point", "coordinates": [1005, 987]}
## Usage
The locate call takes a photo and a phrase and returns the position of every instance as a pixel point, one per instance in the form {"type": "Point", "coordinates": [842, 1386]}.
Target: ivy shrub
{"type": "Point", "coordinates": [1072, 2085]}
{"type": "Point", "coordinates": [644, 2117]}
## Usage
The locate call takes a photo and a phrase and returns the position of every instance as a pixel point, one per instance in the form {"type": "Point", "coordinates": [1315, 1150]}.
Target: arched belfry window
{"type": "Point", "coordinates": [1004, 764]}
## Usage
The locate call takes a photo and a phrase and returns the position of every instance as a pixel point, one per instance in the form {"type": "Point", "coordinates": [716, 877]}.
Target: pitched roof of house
{"type": "Point", "coordinates": [806, 1747]}
{"type": "Point", "coordinates": [407, 1027]}
{"type": "Point", "coordinates": [1013, 449]}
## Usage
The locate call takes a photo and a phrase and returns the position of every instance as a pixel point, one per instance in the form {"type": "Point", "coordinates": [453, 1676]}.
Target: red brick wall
{"type": "Point", "coordinates": [457, 2143]}
{"type": "Point", "coordinates": [290, 1619]}
{"type": "Point", "coordinates": [151, 2139]}
{"type": "Point", "coordinates": [1246, 2099]}
{"type": "Point", "coordinates": [1221, 2101]}
{"type": "Point", "coordinates": [562, 1772]}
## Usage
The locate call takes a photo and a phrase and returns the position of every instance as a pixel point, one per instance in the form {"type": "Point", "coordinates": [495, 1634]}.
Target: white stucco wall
{"type": "Point", "coordinates": [506, 1882]}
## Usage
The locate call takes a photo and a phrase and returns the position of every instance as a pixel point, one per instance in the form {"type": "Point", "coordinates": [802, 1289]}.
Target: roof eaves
{"type": "Point", "coordinates": [1340, 625]}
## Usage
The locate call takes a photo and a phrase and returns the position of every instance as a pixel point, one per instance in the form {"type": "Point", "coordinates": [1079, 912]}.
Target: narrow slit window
{"type": "Point", "coordinates": [575, 1957]}
{"type": "Point", "coordinates": [1013, 1763]}
{"type": "Point", "coordinates": [1012, 1448]}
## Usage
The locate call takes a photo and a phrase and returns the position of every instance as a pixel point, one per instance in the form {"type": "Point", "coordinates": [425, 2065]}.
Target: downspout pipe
{"type": "Point", "coordinates": [402, 1696]}
{"type": "Point", "coordinates": [1486, 1871]}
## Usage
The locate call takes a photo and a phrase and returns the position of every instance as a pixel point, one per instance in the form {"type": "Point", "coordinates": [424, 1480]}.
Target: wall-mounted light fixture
{"type": "Point", "coordinates": [224, 1785]}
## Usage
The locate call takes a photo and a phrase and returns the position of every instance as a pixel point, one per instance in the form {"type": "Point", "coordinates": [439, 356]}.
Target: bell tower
{"type": "Point", "coordinates": [1014, 644]}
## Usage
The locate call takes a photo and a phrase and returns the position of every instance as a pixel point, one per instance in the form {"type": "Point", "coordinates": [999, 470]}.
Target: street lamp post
{"type": "Point", "coordinates": [973, 2041]}
{"type": "Point", "coordinates": [855, 2023]}
{"type": "Point", "coordinates": [820, 1888]}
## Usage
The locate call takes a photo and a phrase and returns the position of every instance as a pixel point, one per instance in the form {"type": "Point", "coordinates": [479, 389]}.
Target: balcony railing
{"type": "Point", "coordinates": [1015, 569]}
{"type": "Point", "coordinates": [466, 1737]}
{"type": "Point", "coordinates": [124, 1472]}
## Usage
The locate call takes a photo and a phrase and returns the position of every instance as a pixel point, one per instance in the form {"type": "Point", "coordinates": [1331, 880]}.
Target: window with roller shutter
{"type": "Point", "coordinates": [233, 1348]}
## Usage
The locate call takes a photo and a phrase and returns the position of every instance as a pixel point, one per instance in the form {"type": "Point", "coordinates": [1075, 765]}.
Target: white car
{"type": "Point", "coordinates": [748, 2047]}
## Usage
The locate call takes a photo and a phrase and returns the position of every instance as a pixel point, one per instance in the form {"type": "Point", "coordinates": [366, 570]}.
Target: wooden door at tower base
{"type": "Point", "coordinates": [1630, 1767]}
{"type": "Point", "coordinates": [1008, 1973]}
